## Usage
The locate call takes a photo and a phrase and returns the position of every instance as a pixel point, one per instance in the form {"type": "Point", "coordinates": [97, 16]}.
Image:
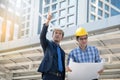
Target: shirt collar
{"type": "Point", "coordinates": [85, 48]}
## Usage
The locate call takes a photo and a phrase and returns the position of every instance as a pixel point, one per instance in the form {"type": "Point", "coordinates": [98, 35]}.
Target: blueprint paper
{"type": "Point", "coordinates": [84, 71]}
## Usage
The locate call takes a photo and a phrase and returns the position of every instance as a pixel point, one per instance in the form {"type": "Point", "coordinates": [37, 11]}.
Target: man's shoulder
{"type": "Point", "coordinates": [75, 49]}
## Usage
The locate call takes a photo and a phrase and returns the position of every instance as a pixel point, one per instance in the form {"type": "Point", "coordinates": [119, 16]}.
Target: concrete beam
{"type": "Point", "coordinates": [27, 77]}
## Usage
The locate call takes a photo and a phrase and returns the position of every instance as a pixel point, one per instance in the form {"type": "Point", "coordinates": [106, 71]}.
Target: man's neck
{"type": "Point", "coordinates": [83, 47]}
{"type": "Point", "coordinates": [56, 42]}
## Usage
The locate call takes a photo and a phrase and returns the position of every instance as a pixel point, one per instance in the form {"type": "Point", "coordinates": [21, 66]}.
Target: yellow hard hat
{"type": "Point", "coordinates": [81, 32]}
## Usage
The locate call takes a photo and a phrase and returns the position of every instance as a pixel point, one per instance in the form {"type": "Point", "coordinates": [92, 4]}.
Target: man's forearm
{"type": "Point", "coordinates": [47, 23]}
{"type": "Point", "coordinates": [49, 17]}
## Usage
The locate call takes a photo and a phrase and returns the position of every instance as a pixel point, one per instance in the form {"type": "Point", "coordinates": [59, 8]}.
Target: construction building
{"type": "Point", "coordinates": [20, 26]}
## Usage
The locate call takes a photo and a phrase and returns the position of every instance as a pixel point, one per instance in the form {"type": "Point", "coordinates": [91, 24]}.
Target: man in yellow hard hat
{"type": "Point", "coordinates": [83, 53]}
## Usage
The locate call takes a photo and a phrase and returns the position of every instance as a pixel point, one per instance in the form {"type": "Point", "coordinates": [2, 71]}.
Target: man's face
{"type": "Point", "coordinates": [57, 36]}
{"type": "Point", "coordinates": [82, 40]}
